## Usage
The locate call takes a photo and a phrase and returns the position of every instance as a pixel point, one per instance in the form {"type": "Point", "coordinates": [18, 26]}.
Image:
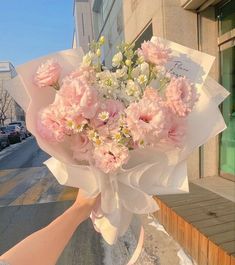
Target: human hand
{"type": "Point", "coordinates": [85, 204]}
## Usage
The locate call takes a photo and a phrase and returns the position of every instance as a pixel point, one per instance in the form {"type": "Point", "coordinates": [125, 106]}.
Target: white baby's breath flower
{"type": "Point", "coordinates": [142, 79]}
{"type": "Point", "coordinates": [108, 84]}
{"type": "Point", "coordinates": [117, 59]}
{"type": "Point", "coordinates": [132, 89]}
{"type": "Point", "coordinates": [103, 116]}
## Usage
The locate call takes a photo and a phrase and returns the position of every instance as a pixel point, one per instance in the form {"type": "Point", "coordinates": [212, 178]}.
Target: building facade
{"type": "Point", "coordinates": [206, 25]}
{"type": "Point", "coordinates": [9, 109]}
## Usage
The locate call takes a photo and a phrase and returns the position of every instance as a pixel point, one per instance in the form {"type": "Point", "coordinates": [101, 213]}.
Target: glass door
{"type": "Point", "coordinates": [227, 145]}
{"type": "Point", "coordinates": [226, 22]}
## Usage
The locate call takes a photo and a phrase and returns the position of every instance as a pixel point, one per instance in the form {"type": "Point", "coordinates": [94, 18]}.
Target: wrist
{"type": "Point", "coordinates": [80, 212]}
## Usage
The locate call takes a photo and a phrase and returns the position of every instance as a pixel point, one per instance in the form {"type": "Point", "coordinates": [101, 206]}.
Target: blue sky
{"type": "Point", "coordinates": [29, 28]}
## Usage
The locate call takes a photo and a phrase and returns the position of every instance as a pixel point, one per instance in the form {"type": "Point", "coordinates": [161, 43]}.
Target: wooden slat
{"type": "Point", "coordinates": [223, 257]}
{"type": "Point", "coordinates": [215, 221]}
{"type": "Point", "coordinates": [188, 237]}
{"type": "Point", "coordinates": [213, 254]}
{"type": "Point", "coordinates": [224, 237]}
{"type": "Point", "coordinates": [195, 244]}
{"type": "Point", "coordinates": [206, 210]}
{"type": "Point", "coordinates": [232, 260]}
{"type": "Point", "coordinates": [203, 250]}
{"type": "Point", "coordinates": [216, 229]}
{"type": "Point", "coordinates": [173, 224]}
{"type": "Point", "coordinates": [204, 203]}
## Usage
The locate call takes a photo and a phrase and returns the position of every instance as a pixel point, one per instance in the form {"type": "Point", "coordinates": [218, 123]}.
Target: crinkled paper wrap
{"type": "Point", "coordinates": [148, 171]}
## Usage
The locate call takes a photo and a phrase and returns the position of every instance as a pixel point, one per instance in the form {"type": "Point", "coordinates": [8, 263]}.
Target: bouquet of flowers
{"type": "Point", "coordinates": [124, 132]}
{"type": "Point", "coordinates": [104, 115]}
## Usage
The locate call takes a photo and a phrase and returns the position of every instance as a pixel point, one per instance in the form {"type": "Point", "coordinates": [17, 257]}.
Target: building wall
{"type": "Point", "coordinates": [83, 23]}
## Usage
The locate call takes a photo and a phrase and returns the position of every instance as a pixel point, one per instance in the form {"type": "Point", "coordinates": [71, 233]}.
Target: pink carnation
{"type": "Point", "coordinates": [147, 120]}
{"type": "Point", "coordinates": [153, 53]}
{"type": "Point", "coordinates": [80, 96]}
{"type": "Point", "coordinates": [176, 132]}
{"type": "Point", "coordinates": [49, 124]}
{"type": "Point", "coordinates": [47, 74]}
{"type": "Point", "coordinates": [85, 72]}
{"type": "Point", "coordinates": [110, 156]}
{"type": "Point", "coordinates": [114, 109]}
{"type": "Point", "coordinates": [81, 147]}
{"type": "Point", "coordinates": [151, 94]}
{"type": "Point", "coordinates": [181, 96]}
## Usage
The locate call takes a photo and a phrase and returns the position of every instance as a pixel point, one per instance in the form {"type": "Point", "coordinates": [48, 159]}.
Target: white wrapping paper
{"type": "Point", "coordinates": [148, 171]}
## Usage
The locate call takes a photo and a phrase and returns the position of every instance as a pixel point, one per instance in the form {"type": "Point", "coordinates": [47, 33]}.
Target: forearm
{"type": "Point", "coordinates": [46, 245]}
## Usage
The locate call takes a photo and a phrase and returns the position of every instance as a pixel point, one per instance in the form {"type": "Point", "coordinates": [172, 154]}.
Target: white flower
{"type": "Point", "coordinates": [75, 127]}
{"type": "Point", "coordinates": [144, 68]}
{"type": "Point", "coordinates": [136, 72]}
{"type": "Point", "coordinates": [117, 137]}
{"type": "Point", "coordinates": [88, 58]}
{"type": "Point", "coordinates": [142, 79]}
{"type": "Point", "coordinates": [132, 89]}
{"type": "Point", "coordinates": [117, 59]}
{"type": "Point", "coordinates": [103, 116]}
{"type": "Point", "coordinates": [122, 73]}
{"type": "Point", "coordinates": [108, 84]}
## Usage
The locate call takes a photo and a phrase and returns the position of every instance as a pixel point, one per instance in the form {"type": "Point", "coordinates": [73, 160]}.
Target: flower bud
{"type": "Point", "coordinates": [102, 40]}
{"type": "Point", "coordinates": [98, 52]}
{"type": "Point", "coordinates": [128, 62]}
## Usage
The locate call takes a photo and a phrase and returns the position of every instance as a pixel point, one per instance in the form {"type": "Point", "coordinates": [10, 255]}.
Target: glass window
{"type": "Point", "coordinates": [145, 35]}
{"type": "Point", "coordinates": [226, 16]}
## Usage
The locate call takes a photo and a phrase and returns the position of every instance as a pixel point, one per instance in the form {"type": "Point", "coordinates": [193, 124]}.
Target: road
{"type": "Point", "coordinates": [22, 155]}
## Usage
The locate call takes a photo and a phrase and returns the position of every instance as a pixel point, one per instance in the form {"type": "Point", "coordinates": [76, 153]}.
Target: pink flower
{"type": "Point", "coordinates": [151, 94]}
{"type": "Point", "coordinates": [176, 132]}
{"type": "Point", "coordinates": [154, 53]}
{"type": "Point", "coordinates": [47, 74]}
{"type": "Point", "coordinates": [49, 124]}
{"type": "Point", "coordinates": [113, 107]}
{"type": "Point", "coordinates": [80, 96]}
{"type": "Point", "coordinates": [147, 120]}
{"type": "Point", "coordinates": [181, 96]}
{"type": "Point", "coordinates": [85, 72]}
{"type": "Point", "coordinates": [82, 148]}
{"type": "Point", "coordinates": [110, 156]}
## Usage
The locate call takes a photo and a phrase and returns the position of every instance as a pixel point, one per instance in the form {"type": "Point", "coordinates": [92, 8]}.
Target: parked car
{"type": "Point", "coordinates": [4, 141]}
{"type": "Point", "coordinates": [15, 134]}
{"type": "Point", "coordinates": [22, 126]}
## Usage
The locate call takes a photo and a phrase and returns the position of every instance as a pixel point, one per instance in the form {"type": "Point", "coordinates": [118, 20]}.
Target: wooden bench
{"type": "Point", "coordinates": [202, 222]}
